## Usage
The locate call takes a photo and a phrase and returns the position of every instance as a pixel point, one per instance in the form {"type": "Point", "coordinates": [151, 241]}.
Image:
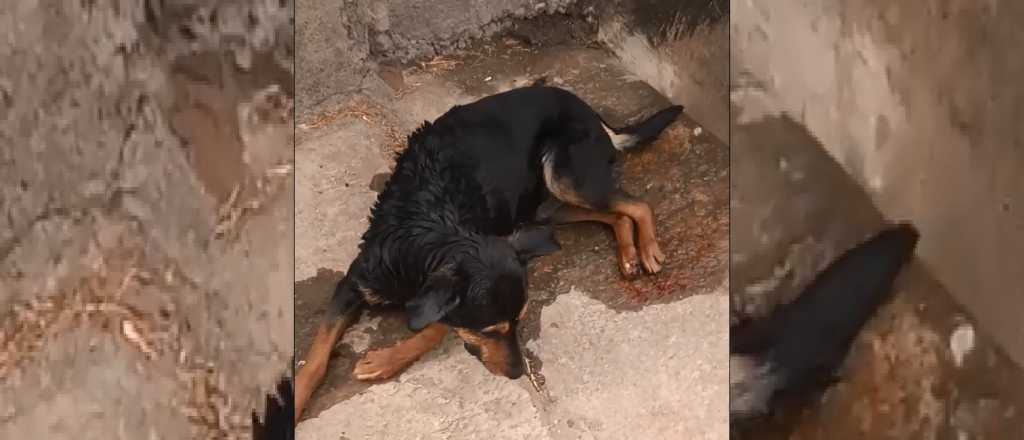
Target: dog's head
{"type": "Point", "coordinates": [482, 295]}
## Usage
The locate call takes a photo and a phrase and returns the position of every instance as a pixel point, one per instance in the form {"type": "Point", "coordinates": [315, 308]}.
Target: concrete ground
{"type": "Point", "coordinates": [129, 308]}
{"type": "Point", "coordinates": [924, 368]}
{"type": "Point", "coordinates": [611, 359]}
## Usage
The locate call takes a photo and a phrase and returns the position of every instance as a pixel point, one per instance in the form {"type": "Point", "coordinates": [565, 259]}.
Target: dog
{"type": "Point", "coordinates": [452, 231]}
{"type": "Point", "coordinates": [793, 354]}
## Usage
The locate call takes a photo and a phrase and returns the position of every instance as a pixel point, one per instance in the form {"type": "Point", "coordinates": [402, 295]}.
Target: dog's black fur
{"type": "Point", "coordinates": [453, 229]}
{"type": "Point", "coordinates": [793, 354]}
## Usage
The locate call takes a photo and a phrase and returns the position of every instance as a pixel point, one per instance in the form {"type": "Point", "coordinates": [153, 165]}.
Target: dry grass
{"type": "Point", "coordinates": [537, 380]}
{"type": "Point", "coordinates": [358, 108]}
{"type": "Point", "coordinates": [372, 113]}
{"type": "Point", "coordinates": [365, 109]}
{"type": "Point", "coordinates": [98, 302]}
{"type": "Point", "coordinates": [262, 191]}
{"type": "Point", "coordinates": [440, 64]}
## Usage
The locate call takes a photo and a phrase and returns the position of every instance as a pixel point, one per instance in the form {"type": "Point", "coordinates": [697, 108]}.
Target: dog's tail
{"type": "Point", "coordinates": [643, 132]}
{"type": "Point", "coordinates": [277, 422]}
{"type": "Point", "coordinates": [797, 349]}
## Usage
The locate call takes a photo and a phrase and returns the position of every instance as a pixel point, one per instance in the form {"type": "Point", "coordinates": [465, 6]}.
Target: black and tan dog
{"type": "Point", "coordinates": [449, 236]}
{"type": "Point", "coordinates": [789, 357]}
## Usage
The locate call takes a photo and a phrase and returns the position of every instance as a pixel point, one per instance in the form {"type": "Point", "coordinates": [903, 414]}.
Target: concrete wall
{"type": "Point", "coordinates": [335, 39]}
{"type": "Point", "coordinates": [679, 48]}
{"type": "Point", "coordinates": [921, 103]}
{"type": "Point", "coordinates": [99, 190]}
{"type": "Point", "coordinates": [332, 45]}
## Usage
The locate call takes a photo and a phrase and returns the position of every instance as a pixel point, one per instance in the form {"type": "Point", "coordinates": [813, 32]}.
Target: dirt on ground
{"type": "Point", "coordinates": [146, 228]}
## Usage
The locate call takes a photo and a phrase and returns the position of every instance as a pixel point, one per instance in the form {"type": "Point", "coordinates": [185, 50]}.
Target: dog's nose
{"type": "Point", "coordinates": [473, 350]}
{"type": "Point", "coordinates": [514, 371]}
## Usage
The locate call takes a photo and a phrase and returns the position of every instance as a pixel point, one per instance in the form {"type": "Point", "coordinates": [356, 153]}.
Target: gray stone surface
{"type": "Point", "coordinates": [656, 373]}
{"type": "Point", "coordinates": [682, 50]}
{"type": "Point", "coordinates": [335, 40]}
{"type": "Point", "coordinates": [445, 395]}
{"type": "Point", "coordinates": [121, 313]}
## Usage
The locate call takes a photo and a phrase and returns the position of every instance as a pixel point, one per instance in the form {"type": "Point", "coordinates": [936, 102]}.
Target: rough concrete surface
{"type": "Point", "coordinates": [610, 358]}
{"type": "Point", "coordinates": [655, 373]}
{"type": "Point", "coordinates": [446, 395]}
{"type": "Point", "coordinates": [679, 48]}
{"type": "Point", "coordinates": [128, 305]}
{"type": "Point", "coordinates": [920, 103]}
{"type": "Point", "coordinates": [923, 368]}
{"type": "Point", "coordinates": [336, 39]}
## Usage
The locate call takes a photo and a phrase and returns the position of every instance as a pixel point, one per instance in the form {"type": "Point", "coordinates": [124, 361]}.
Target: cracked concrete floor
{"type": "Point", "coordinates": [641, 359]}
{"type": "Point", "coordinates": [127, 309]}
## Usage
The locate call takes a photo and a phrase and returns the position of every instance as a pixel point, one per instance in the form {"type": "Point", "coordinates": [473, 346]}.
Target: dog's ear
{"type": "Point", "coordinates": [435, 299]}
{"type": "Point", "coordinates": [534, 242]}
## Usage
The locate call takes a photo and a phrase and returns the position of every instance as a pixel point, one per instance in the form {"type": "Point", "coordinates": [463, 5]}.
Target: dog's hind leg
{"type": "Point", "coordinates": [384, 363]}
{"type": "Point", "coordinates": [343, 310]}
{"type": "Point", "coordinates": [650, 253]}
{"type": "Point", "coordinates": [622, 226]}
{"type": "Point", "coordinates": [599, 196]}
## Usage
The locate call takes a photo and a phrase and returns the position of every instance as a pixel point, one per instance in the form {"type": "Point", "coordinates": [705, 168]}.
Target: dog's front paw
{"type": "Point", "coordinates": [379, 365]}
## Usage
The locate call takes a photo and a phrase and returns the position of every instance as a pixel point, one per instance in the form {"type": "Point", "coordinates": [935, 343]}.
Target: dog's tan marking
{"type": "Point", "coordinates": [312, 372]}
{"type": "Point", "coordinates": [493, 353]}
{"type": "Point", "coordinates": [650, 253]}
{"type": "Point", "coordinates": [560, 187]}
{"type": "Point", "coordinates": [522, 313]}
{"type": "Point", "coordinates": [624, 211]}
{"type": "Point", "coordinates": [386, 362]}
{"type": "Point", "coordinates": [622, 225]}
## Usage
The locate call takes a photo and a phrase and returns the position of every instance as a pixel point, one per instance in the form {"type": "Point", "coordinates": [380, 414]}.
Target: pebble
{"type": "Point", "coordinates": [961, 342]}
